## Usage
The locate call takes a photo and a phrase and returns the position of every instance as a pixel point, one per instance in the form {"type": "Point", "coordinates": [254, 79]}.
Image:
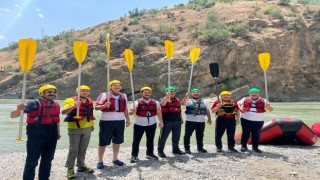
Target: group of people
{"type": "Point", "coordinates": [43, 124]}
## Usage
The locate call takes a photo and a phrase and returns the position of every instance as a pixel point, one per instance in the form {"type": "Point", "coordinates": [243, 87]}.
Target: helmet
{"type": "Point", "coordinates": [254, 90]}
{"type": "Point", "coordinates": [195, 89]}
{"type": "Point", "coordinates": [172, 88]}
{"type": "Point", "coordinates": [225, 93]}
{"type": "Point", "coordinates": [114, 82]}
{"type": "Point", "coordinates": [83, 87]}
{"type": "Point", "coordinates": [146, 88]}
{"type": "Point", "coordinates": [46, 87]}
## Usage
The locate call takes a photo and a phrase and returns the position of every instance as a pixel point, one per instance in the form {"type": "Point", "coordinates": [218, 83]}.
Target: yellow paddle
{"type": "Point", "coordinates": [128, 55]}
{"type": "Point", "coordinates": [194, 55]}
{"type": "Point", "coordinates": [27, 51]}
{"type": "Point", "coordinates": [108, 64]}
{"type": "Point", "coordinates": [264, 61]}
{"type": "Point", "coordinates": [169, 49]}
{"type": "Point", "coordinates": [80, 49]}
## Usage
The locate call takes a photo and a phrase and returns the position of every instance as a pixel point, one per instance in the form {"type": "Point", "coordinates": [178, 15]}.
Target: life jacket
{"type": "Point", "coordinates": [85, 110]}
{"type": "Point", "coordinates": [259, 105]}
{"type": "Point", "coordinates": [143, 108]}
{"type": "Point", "coordinates": [121, 104]}
{"type": "Point", "coordinates": [196, 108]}
{"type": "Point", "coordinates": [227, 109]}
{"type": "Point", "coordinates": [47, 113]}
{"type": "Point", "coordinates": [172, 107]}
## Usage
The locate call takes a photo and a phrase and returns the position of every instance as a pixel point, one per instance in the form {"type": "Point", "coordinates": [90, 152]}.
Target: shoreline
{"type": "Point", "coordinates": [276, 162]}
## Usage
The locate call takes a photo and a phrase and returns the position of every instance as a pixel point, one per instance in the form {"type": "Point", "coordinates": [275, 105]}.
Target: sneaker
{"type": "Point", "coordinates": [201, 150]}
{"type": "Point", "coordinates": [178, 151]}
{"type": "Point", "coordinates": [244, 149]}
{"type": "Point", "coordinates": [134, 159]}
{"type": "Point", "coordinates": [70, 173]}
{"type": "Point", "coordinates": [232, 149]}
{"type": "Point", "coordinates": [162, 154]}
{"type": "Point", "coordinates": [187, 151]}
{"type": "Point", "coordinates": [100, 165]}
{"type": "Point", "coordinates": [219, 150]}
{"type": "Point", "coordinates": [118, 163]}
{"type": "Point", "coordinates": [152, 156]}
{"type": "Point", "coordinates": [85, 169]}
{"type": "Point", "coordinates": [257, 150]}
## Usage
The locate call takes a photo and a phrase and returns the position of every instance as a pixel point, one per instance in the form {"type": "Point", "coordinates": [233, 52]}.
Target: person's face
{"type": "Point", "coordinates": [146, 94]}
{"type": "Point", "coordinates": [49, 94]}
{"type": "Point", "coordinates": [84, 93]}
{"type": "Point", "coordinates": [196, 94]}
{"type": "Point", "coordinates": [172, 93]}
{"type": "Point", "coordinates": [115, 88]}
{"type": "Point", "coordinates": [225, 97]}
{"type": "Point", "coordinates": [254, 95]}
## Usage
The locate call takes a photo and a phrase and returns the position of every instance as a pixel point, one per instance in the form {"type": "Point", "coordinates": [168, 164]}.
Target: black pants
{"type": "Point", "coordinates": [168, 126]}
{"type": "Point", "coordinates": [253, 127]}
{"type": "Point", "coordinates": [190, 127]}
{"type": "Point", "coordinates": [223, 124]}
{"type": "Point", "coordinates": [137, 135]}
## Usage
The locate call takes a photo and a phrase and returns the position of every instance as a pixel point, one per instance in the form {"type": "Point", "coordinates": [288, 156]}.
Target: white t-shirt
{"type": "Point", "coordinates": [143, 121]}
{"type": "Point", "coordinates": [251, 114]}
{"type": "Point", "coordinates": [196, 118]}
{"type": "Point", "coordinates": [111, 116]}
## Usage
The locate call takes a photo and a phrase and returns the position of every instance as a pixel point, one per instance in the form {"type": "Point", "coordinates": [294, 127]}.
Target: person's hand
{"type": "Point", "coordinates": [21, 107]}
{"type": "Point", "coordinates": [128, 122]}
{"type": "Point", "coordinates": [187, 95]}
{"type": "Point", "coordinates": [160, 125]}
{"type": "Point", "coordinates": [209, 121]}
{"type": "Point", "coordinates": [132, 111]}
{"type": "Point", "coordinates": [107, 104]}
{"type": "Point", "coordinates": [268, 107]}
{"type": "Point", "coordinates": [77, 104]}
{"type": "Point", "coordinates": [168, 95]}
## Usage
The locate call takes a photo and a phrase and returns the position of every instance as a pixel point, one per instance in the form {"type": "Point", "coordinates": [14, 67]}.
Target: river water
{"type": "Point", "coordinates": [309, 112]}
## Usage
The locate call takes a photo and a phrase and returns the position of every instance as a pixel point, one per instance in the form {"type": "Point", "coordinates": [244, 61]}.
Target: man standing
{"type": "Point", "coordinates": [79, 129]}
{"type": "Point", "coordinates": [196, 110]}
{"type": "Point", "coordinates": [252, 118]}
{"type": "Point", "coordinates": [43, 131]}
{"type": "Point", "coordinates": [146, 110]}
{"type": "Point", "coordinates": [112, 121]}
{"type": "Point", "coordinates": [172, 120]}
{"type": "Point", "coordinates": [228, 116]}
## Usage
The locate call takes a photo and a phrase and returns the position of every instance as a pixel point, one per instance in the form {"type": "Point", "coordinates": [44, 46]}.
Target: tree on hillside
{"type": "Point", "coordinates": [139, 45]}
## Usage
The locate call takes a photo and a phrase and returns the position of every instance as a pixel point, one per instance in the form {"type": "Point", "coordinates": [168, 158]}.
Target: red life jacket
{"type": "Point", "coordinates": [122, 103]}
{"type": "Point", "coordinates": [143, 108]}
{"type": "Point", "coordinates": [85, 110]}
{"type": "Point", "coordinates": [47, 113]}
{"type": "Point", "coordinates": [259, 105]}
{"type": "Point", "coordinates": [173, 107]}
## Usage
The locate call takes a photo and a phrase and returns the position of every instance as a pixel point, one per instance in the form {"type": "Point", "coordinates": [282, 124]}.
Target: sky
{"type": "Point", "coordinates": [34, 18]}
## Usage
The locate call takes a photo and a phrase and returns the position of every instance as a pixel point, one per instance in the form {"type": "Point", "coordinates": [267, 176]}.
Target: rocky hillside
{"type": "Point", "coordinates": [230, 34]}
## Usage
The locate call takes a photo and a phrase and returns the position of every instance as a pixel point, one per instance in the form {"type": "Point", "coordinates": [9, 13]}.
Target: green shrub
{"type": "Point", "coordinates": [240, 29]}
{"type": "Point", "coordinates": [147, 27]}
{"type": "Point", "coordinates": [136, 12]}
{"type": "Point", "coordinates": [52, 70]}
{"type": "Point", "coordinates": [134, 21]}
{"type": "Point", "coordinates": [102, 39]}
{"type": "Point", "coordinates": [170, 14]}
{"type": "Point", "coordinates": [125, 28]}
{"type": "Point", "coordinates": [97, 58]}
{"type": "Point", "coordinates": [139, 45]}
{"type": "Point", "coordinates": [9, 68]}
{"type": "Point", "coordinates": [166, 30]}
{"type": "Point", "coordinates": [256, 28]}
{"type": "Point", "coordinates": [214, 31]}
{"type": "Point", "coordinates": [304, 2]}
{"type": "Point", "coordinates": [200, 4]}
{"type": "Point", "coordinates": [316, 16]}
{"type": "Point", "coordinates": [283, 2]}
{"type": "Point", "coordinates": [273, 11]}
{"type": "Point", "coordinates": [293, 27]}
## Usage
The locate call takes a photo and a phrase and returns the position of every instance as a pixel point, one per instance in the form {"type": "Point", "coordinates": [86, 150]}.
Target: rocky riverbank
{"type": "Point", "coordinates": [276, 162]}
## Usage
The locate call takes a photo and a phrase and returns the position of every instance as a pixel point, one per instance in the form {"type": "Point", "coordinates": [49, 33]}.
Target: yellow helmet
{"type": "Point", "coordinates": [225, 93]}
{"type": "Point", "coordinates": [46, 87]}
{"type": "Point", "coordinates": [83, 87]}
{"type": "Point", "coordinates": [114, 82]}
{"type": "Point", "coordinates": [146, 88]}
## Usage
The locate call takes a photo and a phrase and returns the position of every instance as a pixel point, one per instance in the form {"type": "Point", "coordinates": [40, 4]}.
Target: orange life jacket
{"type": "Point", "coordinates": [259, 105]}
{"type": "Point", "coordinates": [143, 108]}
{"type": "Point", "coordinates": [173, 107]}
{"type": "Point", "coordinates": [47, 113]}
{"type": "Point", "coordinates": [121, 104]}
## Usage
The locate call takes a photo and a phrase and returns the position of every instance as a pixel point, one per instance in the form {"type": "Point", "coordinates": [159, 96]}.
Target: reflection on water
{"type": "Point", "coordinates": [306, 111]}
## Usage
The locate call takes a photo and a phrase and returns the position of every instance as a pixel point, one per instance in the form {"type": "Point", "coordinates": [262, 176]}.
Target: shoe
{"type": "Point", "coordinates": [187, 151]}
{"type": "Point", "coordinates": [257, 150]}
{"type": "Point", "coordinates": [178, 151]}
{"type": "Point", "coordinates": [162, 155]}
{"type": "Point", "coordinates": [118, 163]}
{"type": "Point", "coordinates": [100, 165]}
{"type": "Point", "coordinates": [70, 173]}
{"type": "Point", "coordinates": [202, 150]}
{"type": "Point", "coordinates": [152, 156]}
{"type": "Point", "coordinates": [219, 150]}
{"type": "Point", "coordinates": [232, 149]}
{"type": "Point", "coordinates": [85, 169]}
{"type": "Point", "coordinates": [244, 149]}
{"type": "Point", "coordinates": [134, 159]}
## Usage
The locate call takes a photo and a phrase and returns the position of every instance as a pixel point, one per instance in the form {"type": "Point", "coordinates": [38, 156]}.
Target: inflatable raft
{"type": "Point", "coordinates": [316, 128]}
{"type": "Point", "coordinates": [285, 131]}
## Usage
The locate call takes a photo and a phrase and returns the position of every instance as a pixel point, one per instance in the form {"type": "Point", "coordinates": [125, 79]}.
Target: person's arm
{"type": "Point", "coordinates": [126, 114]}
{"type": "Point", "coordinates": [165, 99]}
{"type": "Point", "coordinates": [238, 112]}
{"type": "Point", "coordinates": [159, 115]}
{"type": "Point", "coordinates": [133, 111]}
{"type": "Point", "coordinates": [209, 117]}
{"type": "Point", "coordinates": [58, 126]}
{"type": "Point", "coordinates": [268, 106]}
{"type": "Point", "coordinates": [185, 99]}
{"type": "Point", "coordinates": [215, 107]}
{"type": "Point", "coordinates": [16, 113]}
{"type": "Point", "coordinates": [99, 106]}
{"type": "Point", "coordinates": [70, 105]}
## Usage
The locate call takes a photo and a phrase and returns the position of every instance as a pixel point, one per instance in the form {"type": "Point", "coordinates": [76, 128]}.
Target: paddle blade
{"type": "Point", "coordinates": [128, 55]}
{"type": "Point", "coordinates": [27, 51]}
{"type": "Point", "coordinates": [214, 69]}
{"type": "Point", "coordinates": [108, 46]}
{"type": "Point", "coordinates": [169, 48]}
{"type": "Point", "coordinates": [80, 49]}
{"type": "Point", "coordinates": [264, 60]}
{"type": "Point", "coordinates": [194, 54]}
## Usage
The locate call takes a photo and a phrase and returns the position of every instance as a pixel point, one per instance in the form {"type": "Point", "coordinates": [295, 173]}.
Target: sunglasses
{"type": "Point", "coordinates": [51, 92]}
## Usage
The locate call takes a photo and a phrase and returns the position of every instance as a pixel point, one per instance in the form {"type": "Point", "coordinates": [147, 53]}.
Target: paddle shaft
{"type": "Point", "coordinates": [216, 84]}
{"type": "Point", "coordinates": [190, 78]}
{"type": "Point", "coordinates": [19, 138]}
{"type": "Point", "coordinates": [108, 79]}
{"type": "Point", "coordinates": [266, 84]}
{"type": "Point", "coordinates": [169, 72]}
{"type": "Point", "coordinates": [79, 82]}
{"type": "Point", "coordinates": [132, 90]}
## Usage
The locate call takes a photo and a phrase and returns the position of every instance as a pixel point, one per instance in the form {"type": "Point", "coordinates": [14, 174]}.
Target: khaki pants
{"type": "Point", "coordinates": [78, 143]}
